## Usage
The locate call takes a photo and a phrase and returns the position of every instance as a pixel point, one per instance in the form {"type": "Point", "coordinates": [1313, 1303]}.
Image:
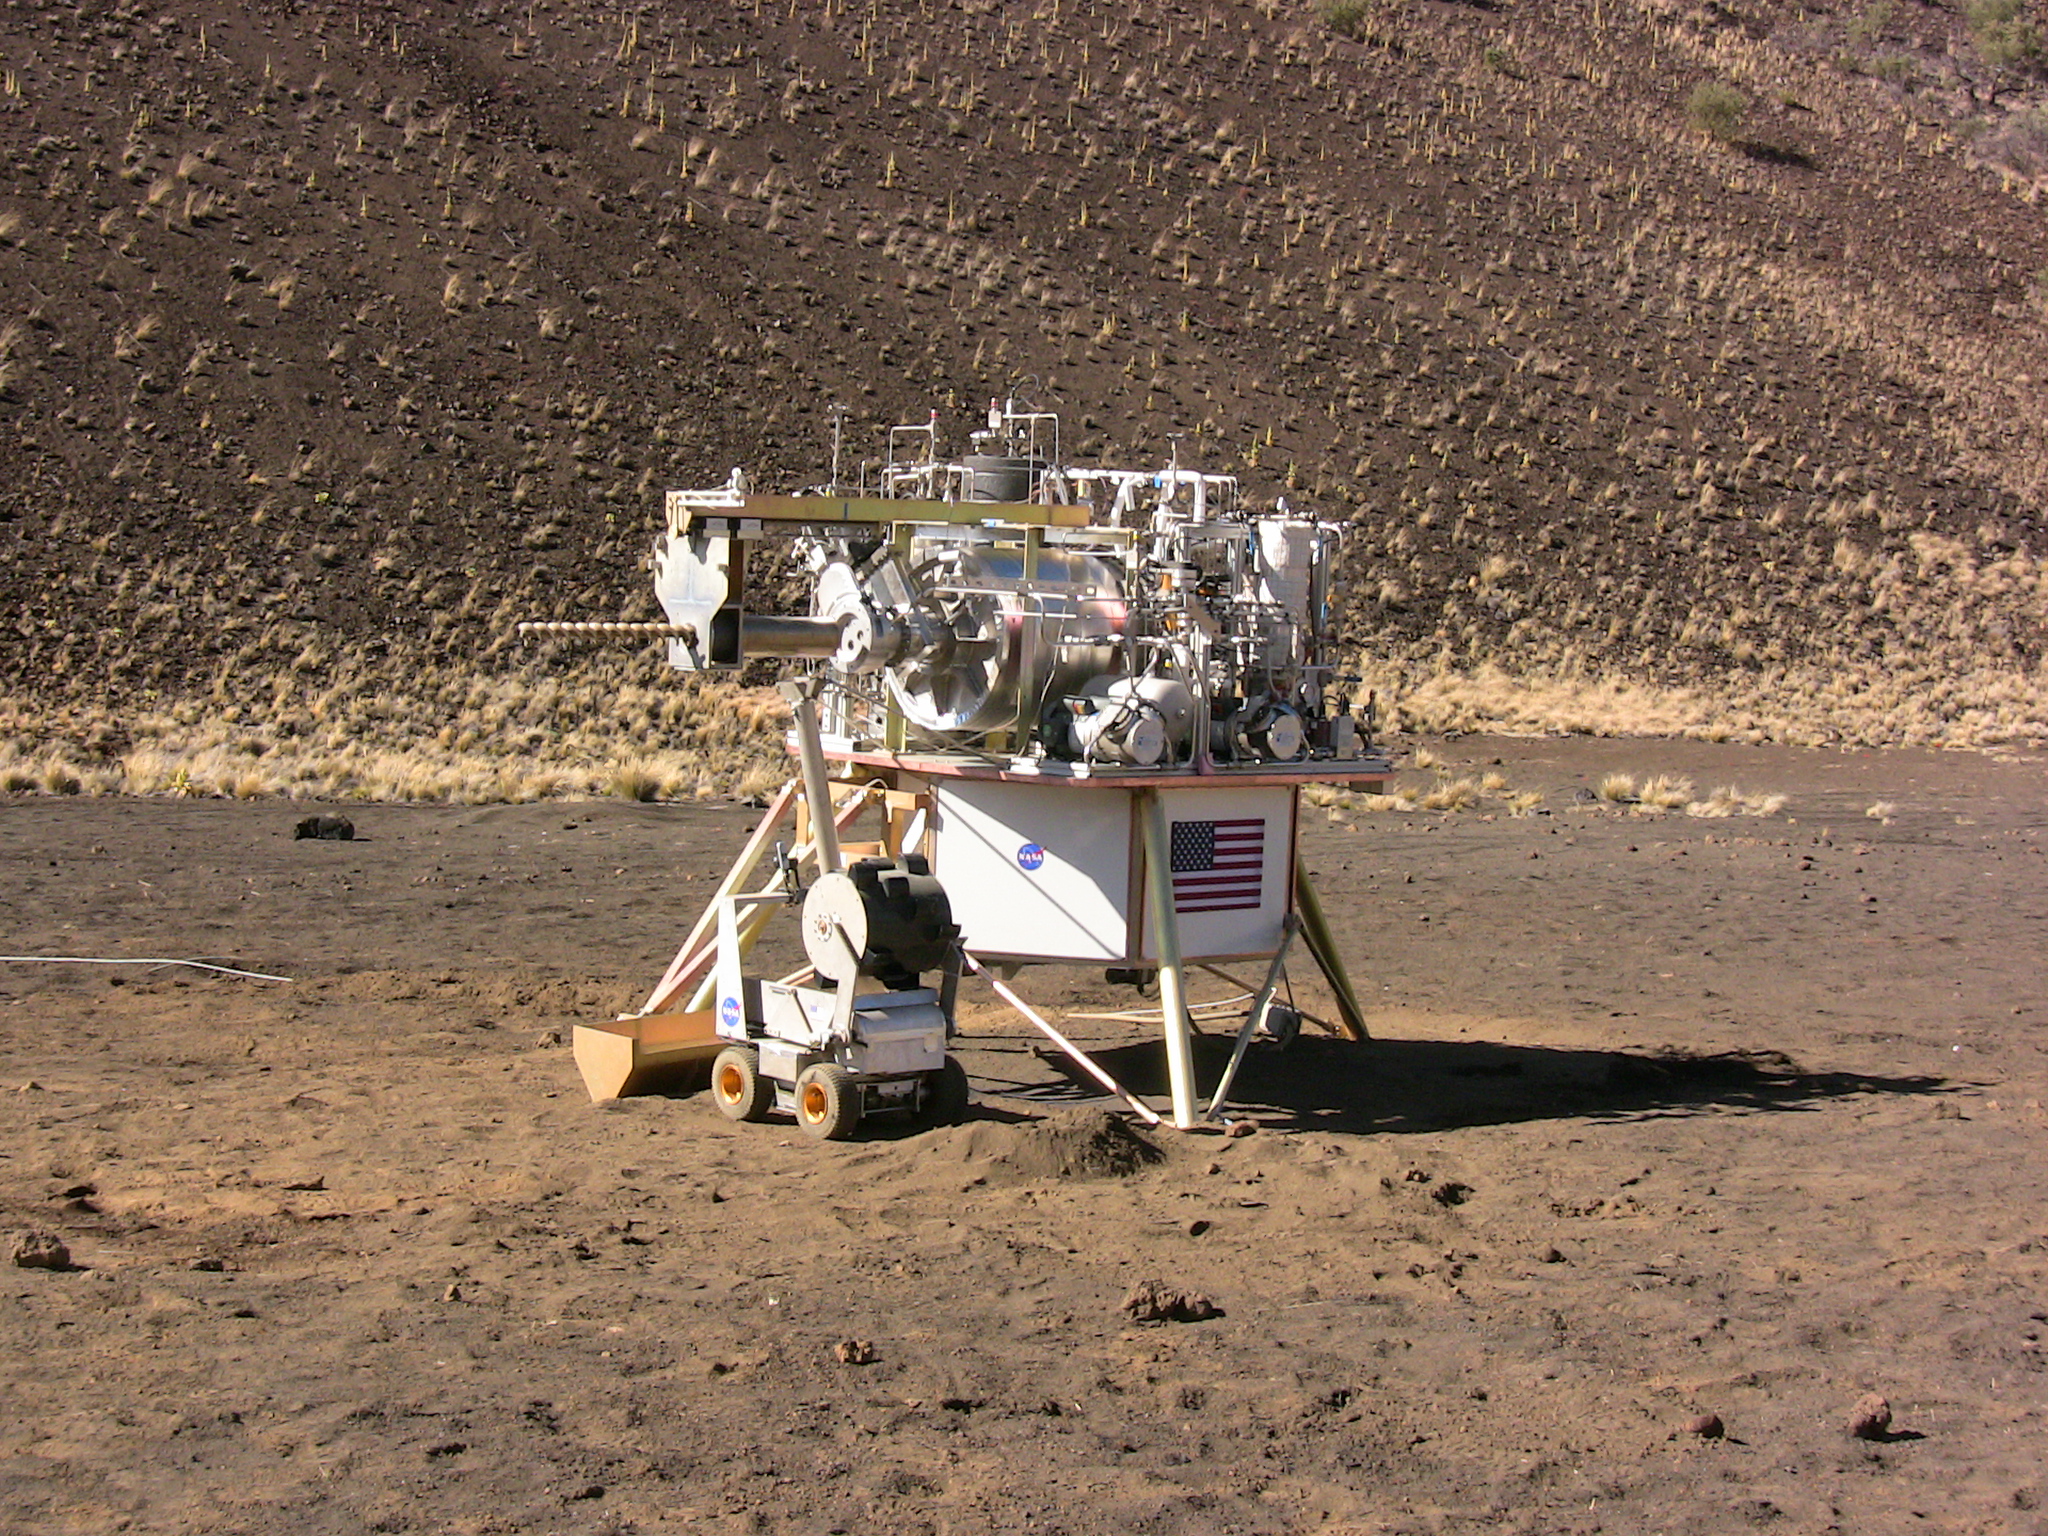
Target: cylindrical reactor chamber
{"type": "Point", "coordinates": [993, 632]}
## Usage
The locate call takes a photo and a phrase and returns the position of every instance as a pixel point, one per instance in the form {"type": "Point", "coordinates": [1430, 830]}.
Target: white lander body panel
{"type": "Point", "coordinates": [1073, 888]}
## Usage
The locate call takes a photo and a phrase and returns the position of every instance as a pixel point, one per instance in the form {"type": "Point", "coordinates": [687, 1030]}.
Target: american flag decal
{"type": "Point", "coordinates": [1218, 866]}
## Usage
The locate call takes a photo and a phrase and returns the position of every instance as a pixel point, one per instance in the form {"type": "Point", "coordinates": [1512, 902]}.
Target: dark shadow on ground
{"type": "Point", "coordinates": [1776, 154]}
{"type": "Point", "coordinates": [689, 1092]}
{"type": "Point", "coordinates": [1428, 1085]}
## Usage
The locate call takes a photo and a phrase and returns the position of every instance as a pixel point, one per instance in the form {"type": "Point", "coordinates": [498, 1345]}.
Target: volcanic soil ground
{"type": "Point", "coordinates": [1677, 1137]}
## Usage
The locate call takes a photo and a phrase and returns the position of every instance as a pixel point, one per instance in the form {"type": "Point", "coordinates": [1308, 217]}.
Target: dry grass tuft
{"type": "Point", "coordinates": [1871, 704]}
{"type": "Point", "coordinates": [1727, 800]}
{"type": "Point", "coordinates": [1664, 793]}
{"type": "Point", "coordinates": [1399, 798]}
{"type": "Point", "coordinates": [639, 779]}
{"type": "Point", "coordinates": [1451, 795]}
{"type": "Point", "coordinates": [1444, 792]}
{"type": "Point", "coordinates": [352, 728]}
{"type": "Point", "coordinates": [59, 777]}
{"type": "Point", "coordinates": [1618, 789]}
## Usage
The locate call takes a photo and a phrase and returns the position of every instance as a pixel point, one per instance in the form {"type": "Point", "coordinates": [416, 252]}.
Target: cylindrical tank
{"type": "Point", "coordinates": [1272, 732]}
{"type": "Point", "coordinates": [991, 478]}
{"type": "Point", "coordinates": [1287, 556]}
{"type": "Point", "coordinates": [1115, 734]}
{"type": "Point", "coordinates": [762, 634]}
{"type": "Point", "coordinates": [1137, 721]}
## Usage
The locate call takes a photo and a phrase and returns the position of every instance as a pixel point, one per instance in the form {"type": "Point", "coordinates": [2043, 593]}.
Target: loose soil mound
{"type": "Point", "coordinates": [1074, 1144]}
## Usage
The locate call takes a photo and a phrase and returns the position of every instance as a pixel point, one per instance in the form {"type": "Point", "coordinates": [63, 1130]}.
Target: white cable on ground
{"type": "Point", "coordinates": [197, 965]}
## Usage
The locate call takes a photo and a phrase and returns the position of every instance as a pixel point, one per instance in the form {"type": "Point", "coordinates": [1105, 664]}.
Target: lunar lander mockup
{"type": "Point", "coordinates": [1076, 708]}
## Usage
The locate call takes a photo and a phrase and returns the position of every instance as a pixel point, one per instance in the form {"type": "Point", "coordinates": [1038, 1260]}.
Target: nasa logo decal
{"type": "Point", "coordinates": [1030, 858]}
{"type": "Point", "coordinates": [728, 1015]}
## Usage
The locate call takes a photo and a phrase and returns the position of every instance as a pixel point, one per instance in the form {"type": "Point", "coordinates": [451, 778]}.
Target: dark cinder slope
{"type": "Point", "coordinates": [334, 336]}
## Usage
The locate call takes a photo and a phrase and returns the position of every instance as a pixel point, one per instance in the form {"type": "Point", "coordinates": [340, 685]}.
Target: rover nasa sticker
{"type": "Point", "coordinates": [1030, 858]}
{"type": "Point", "coordinates": [728, 1015]}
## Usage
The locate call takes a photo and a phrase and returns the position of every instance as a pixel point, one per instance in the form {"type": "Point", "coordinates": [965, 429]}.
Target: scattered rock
{"type": "Point", "coordinates": [1707, 1426]}
{"type": "Point", "coordinates": [1153, 1301]}
{"type": "Point", "coordinates": [854, 1352]}
{"type": "Point", "coordinates": [41, 1250]}
{"type": "Point", "coordinates": [1451, 1192]}
{"type": "Point", "coordinates": [208, 1266]}
{"type": "Point", "coordinates": [1241, 1128]}
{"type": "Point", "coordinates": [1871, 1419]}
{"type": "Point", "coordinates": [1198, 1226]}
{"type": "Point", "coordinates": [1552, 1255]}
{"type": "Point", "coordinates": [330, 829]}
{"type": "Point", "coordinates": [547, 1038]}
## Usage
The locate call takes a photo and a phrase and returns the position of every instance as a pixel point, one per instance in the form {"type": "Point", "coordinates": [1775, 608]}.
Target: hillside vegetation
{"type": "Point", "coordinates": [1675, 367]}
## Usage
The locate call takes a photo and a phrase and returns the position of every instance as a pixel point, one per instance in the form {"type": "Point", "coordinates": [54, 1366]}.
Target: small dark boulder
{"type": "Point", "coordinates": [331, 829]}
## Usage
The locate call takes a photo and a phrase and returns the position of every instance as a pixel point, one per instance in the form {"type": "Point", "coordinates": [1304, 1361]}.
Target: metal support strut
{"type": "Point", "coordinates": [1257, 1016]}
{"type": "Point", "coordinates": [1173, 1003]}
{"type": "Point", "coordinates": [802, 694]}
